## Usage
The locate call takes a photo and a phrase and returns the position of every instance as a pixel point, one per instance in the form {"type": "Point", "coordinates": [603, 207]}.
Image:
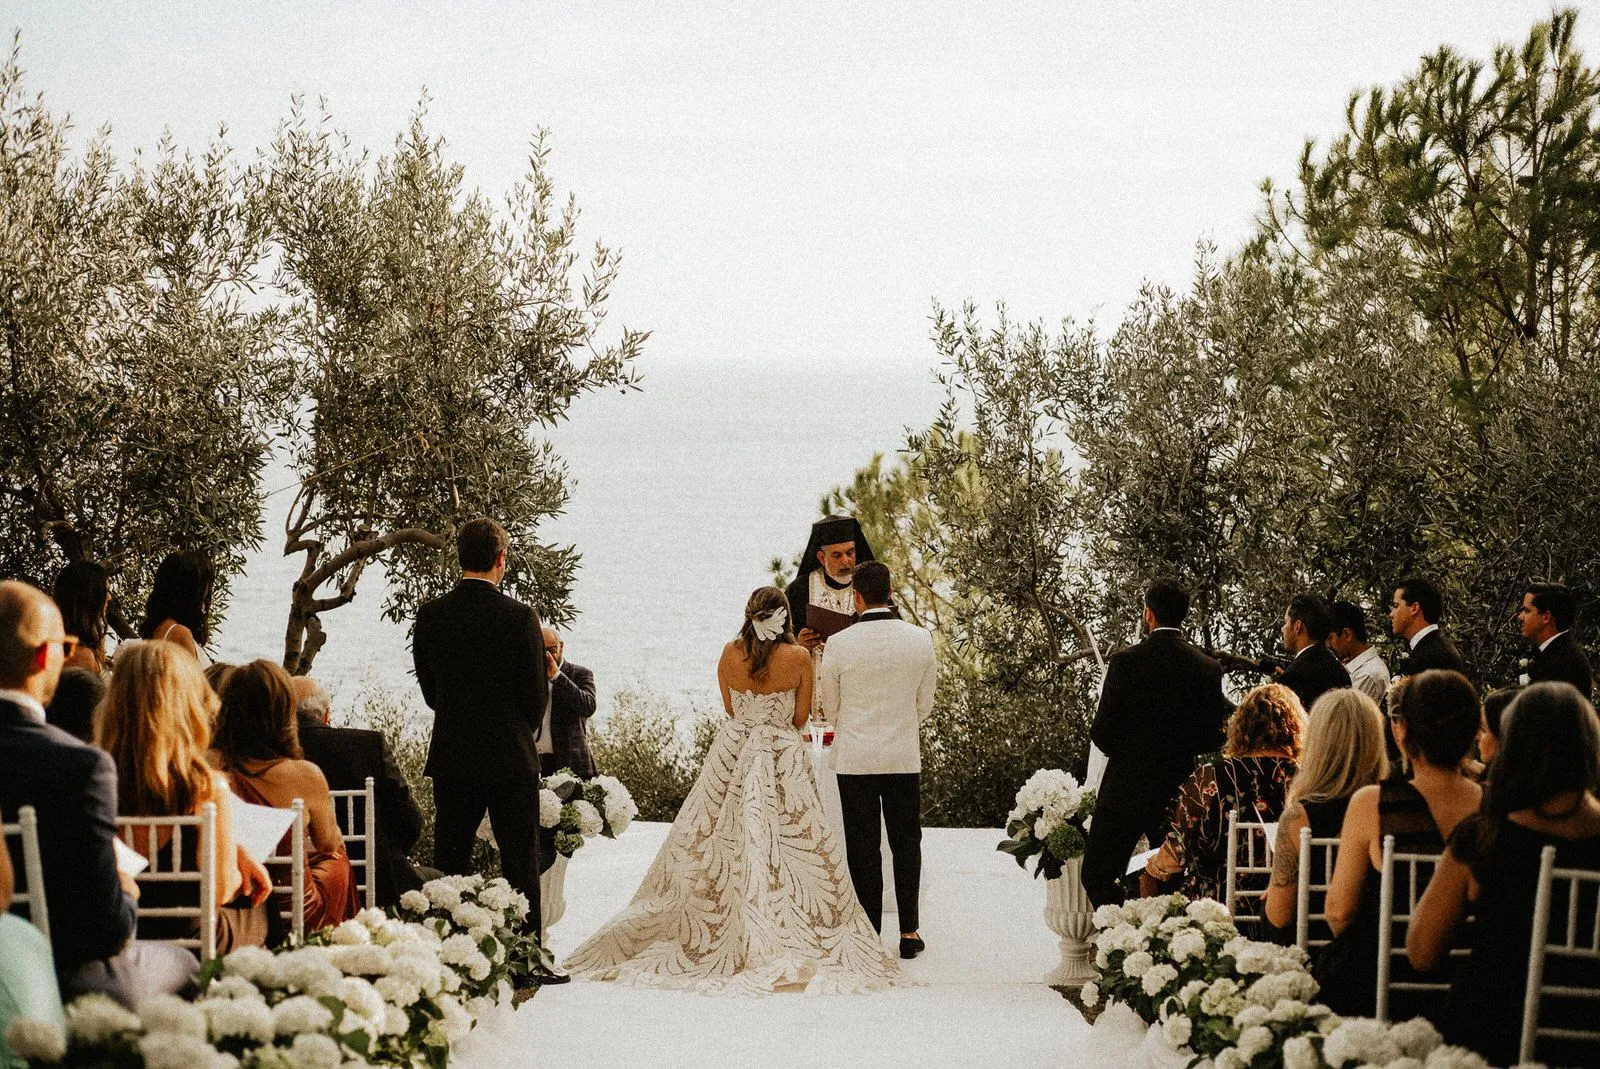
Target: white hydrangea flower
{"type": "Point", "coordinates": [1413, 1063]}
{"type": "Point", "coordinates": [1299, 1053]}
{"type": "Point", "coordinates": [1221, 999]}
{"type": "Point", "coordinates": [310, 970]}
{"type": "Point", "coordinates": [590, 822]}
{"type": "Point", "coordinates": [549, 808]}
{"type": "Point", "coordinates": [415, 902]}
{"type": "Point", "coordinates": [1447, 1057]}
{"type": "Point", "coordinates": [300, 1013]}
{"type": "Point", "coordinates": [620, 810]}
{"type": "Point", "coordinates": [1190, 990]}
{"type": "Point", "coordinates": [470, 915]}
{"type": "Point", "coordinates": [398, 990]}
{"type": "Point", "coordinates": [1208, 911]}
{"type": "Point", "coordinates": [252, 963]}
{"type": "Point", "coordinates": [1136, 963]}
{"type": "Point", "coordinates": [1102, 960]}
{"type": "Point", "coordinates": [368, 959]}
{"type": "Point", "coordinates": [1289, 1009]}
{"type": "Point", "coordinates": [232, 987]}
{"type": "Point", "coordinates": [1156, 978]}
{"type": "Point", "coordinates": [1359, 1040]}
{"type": "Point", "coordinates": [247, 1018]}
{"type": "Point", "coordinates": [1109, 916]}
{"type": "Point", "coordinates": [1177, 1030]}
{"type": "Point", "coordinates": [1253, 1041]}
{"type": "Point", "coordinates": [37, 1041]}
{"type": "Point", "coordinates": [1187, 944]}
{"type": "Point", "coordinates": [442, 894]}
{"type": "Point", "coordinates": [167, 1050]}
{"type": "Point", "coordinates": [1251, 1016]}
{"type": "Point", "coordinates": [94, 1019]}
{"type": "Point", "coordinates": [172, 1015]}
{"type": "Point", "coordinates": [316, 1052]}
{"type": "Point", "coordinates": [1416, 1038]}
{"type": "Point", "coordinates": [351, 933]}
{"type": "Point", "coordinates": [395, 1021]}
{"type": "Point", "coordinates": [457, 1021]}
{"type": "Point", "coordinates": [1090, 994]}
{"type": "Point", "coordinates": [1230, 1059]}
{"type": "Point", "coordinates": [1270, 990]}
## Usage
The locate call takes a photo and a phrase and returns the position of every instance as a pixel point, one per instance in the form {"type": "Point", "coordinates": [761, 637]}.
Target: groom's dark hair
{"type": "Point", "coordinates": [1167, 601]}
{"type": "Point", "coordinates": [479, 543]}
{"type": "Point", "coordinates": [872, 583]}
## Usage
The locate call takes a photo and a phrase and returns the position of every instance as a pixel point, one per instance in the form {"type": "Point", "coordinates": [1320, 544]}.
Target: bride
{"type": "Point", "coordinates": [750, 893]}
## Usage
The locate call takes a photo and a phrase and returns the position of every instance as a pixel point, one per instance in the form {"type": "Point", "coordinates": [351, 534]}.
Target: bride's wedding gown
{"type": "Point", "coordinates": [750, 893]}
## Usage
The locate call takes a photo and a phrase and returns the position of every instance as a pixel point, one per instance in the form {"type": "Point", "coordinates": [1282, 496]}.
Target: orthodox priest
{"type": "Point", "coordinates": [825, 579]}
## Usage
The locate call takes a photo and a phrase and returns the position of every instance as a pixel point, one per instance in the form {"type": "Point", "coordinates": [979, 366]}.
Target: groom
{"type": "Point", "coordinates": [876, 687]}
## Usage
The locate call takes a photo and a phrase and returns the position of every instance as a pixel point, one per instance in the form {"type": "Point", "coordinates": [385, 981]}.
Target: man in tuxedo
{"type": "Point", "coordinates": [1414, 614]}
{"type": "Point", "coordinates": [1161, 707]}
{"type": "Point", "coordinates": [1548, 613]}
{"type": "Point", "coordinates": [1314, 670]}
{"type": "Point", "coordinates": [1348, 641]}
{"type": "Point", "coordinates": [73, 788]}
{"type": "Point", "coordinates": [878, 679]}
{"type": "Point", "coordinates": [564, 740]}
{"type": "Point", "coordinates": [347, 756]}
{"type": "Point", "coordinates": [480, 663]}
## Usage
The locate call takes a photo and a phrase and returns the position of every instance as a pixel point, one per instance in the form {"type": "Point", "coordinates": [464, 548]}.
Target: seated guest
{"type": "Point", "coordinates": [1348, 641]}
{"type": "Point", "coordinates": [1541, 794]}
{"type": "Point", "coordinates": [1435, 718]}
{"type": "Point", "coordinates": [258, 745]}
{"type": "Point", "coordinates": [1548, 612]}
{"type": "Point", "coordinates": [77, 695]}
{"type": "Point", "coordinates": [347, 756]}
{"type": "Point", "coordinates": [179, 605]}
{"type": "Point", "coordinates": [217, 674]}
{"type": "Point", "coordinates": [155, 723]}
{"type": "Point", "coordinates": [1495, 704]}
{"type": "Point", "coordinates": [1251, 776]}
{"type": "Point", "coordinates": [1314, 670]}
{"type": "Point", "coordinates": [564, 743]}
{"type": "Point", "coordinates": [27, 972]}
{"type": "Point", "coordinates": [83, 594]}
{"type": "Point", "coordinates": [1343, 752]}
{"type": "Point", "coordinates": [73, 788]}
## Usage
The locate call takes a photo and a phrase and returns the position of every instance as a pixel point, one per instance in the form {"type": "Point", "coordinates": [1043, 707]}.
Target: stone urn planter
{"type": "Point", "coordinates": [1070, 915]}
{"type": "Point", "coordinates": [553, 892]}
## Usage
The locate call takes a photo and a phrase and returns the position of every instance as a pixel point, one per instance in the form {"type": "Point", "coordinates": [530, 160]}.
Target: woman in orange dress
{"type": "Point", "coordinates": [258, 746]}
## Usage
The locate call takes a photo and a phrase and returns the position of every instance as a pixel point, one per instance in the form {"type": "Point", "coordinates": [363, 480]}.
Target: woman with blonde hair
{"type": "Point", "coordinates": [258, 745]}
{"type": "Point", "coordinates": [1344, 751]}
{"type": "Point", "coordinates": [1251, 777]}
{"type": "Point", "coordinates": [155, 722]}
{"type": "Point", "coordinates": [750, 893]}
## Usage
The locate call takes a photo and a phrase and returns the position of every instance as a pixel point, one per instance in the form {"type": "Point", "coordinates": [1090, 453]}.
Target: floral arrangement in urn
{"type": "Point", "coordinates": [1048, 821]}
{"type": "Point", "coordinates": [572, 810]}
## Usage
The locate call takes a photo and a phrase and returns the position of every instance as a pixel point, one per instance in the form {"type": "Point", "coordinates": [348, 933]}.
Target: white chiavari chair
{"type": "Point", "coordinates": [1252, 840]}
{"type": "Point", "coordinates": [1566, 943]}
{"type": "Point", "coordinates": [1312, 852]}
{"type": "Point", "coordinates": [357, 815]}
{"type": "Point", "coordinates": [167, 867]}
{"type": "Point", "coordinates": [295, 915]}
{"type": "Point", "coordinates": [1413, 871]}
{"type": "Point", "coordinates": [32, 895]}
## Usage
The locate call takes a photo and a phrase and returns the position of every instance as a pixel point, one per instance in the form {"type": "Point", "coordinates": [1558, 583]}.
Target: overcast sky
{"type": "Point", "coordinates": [799, 182]}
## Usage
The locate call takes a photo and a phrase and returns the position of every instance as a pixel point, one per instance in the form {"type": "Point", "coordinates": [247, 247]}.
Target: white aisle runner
{"type": "Point", "coordinates": [981, 999]}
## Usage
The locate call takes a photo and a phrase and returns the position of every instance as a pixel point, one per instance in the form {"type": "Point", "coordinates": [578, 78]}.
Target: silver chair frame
{"type": "Point", "coordinates": [1257, 862]}
{"type": "Point", "coordinates": [27, 828]}
{"type": "Point", "coordinates": [205, 825]}
{"type": "Point", "coordinates": [1542, 946]}
{"type": "Point", "coordinates": [1304, 887]}
{"type": "Point", "coordinates": [344, 812]}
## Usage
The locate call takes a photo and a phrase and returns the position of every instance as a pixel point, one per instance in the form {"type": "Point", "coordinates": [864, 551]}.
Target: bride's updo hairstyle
{"type": "Point", "coordinates": [761, 632]}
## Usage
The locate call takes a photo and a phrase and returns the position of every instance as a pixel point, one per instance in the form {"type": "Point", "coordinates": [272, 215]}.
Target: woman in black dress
{"type": "Point", "coordinates": [1435, 717]}
{"type": "Point", "coordinates": [1252, 776]}
{"type": "Point", "coordinates": [1540, 793]}
{"type": "Point", "coordinates": [1344, 752]}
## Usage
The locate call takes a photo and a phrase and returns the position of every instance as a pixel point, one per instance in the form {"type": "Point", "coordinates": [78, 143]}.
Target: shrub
{"type": "Point", "coordinates": [654, 745]}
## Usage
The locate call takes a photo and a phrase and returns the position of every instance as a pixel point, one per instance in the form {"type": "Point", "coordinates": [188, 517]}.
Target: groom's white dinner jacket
{"type": "Point", "coordinates": [876, 689]}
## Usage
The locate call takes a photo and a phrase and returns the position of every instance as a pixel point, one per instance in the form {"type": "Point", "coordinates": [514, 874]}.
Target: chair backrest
{"type": "Point", "coordinates": [357, 815]}
{"type": "Point", "coordinates": [32, 894]}
{"type": "Point", "coordinates": [1313, 851]}
{"type": "Point", "coordinates": [166, 867]}
{"type": "Point", "coordinates": [1411, 872]}
{"type": "Point", "coordinates": [1563, 943]}
{"type": "Point", "coordinates": [1252, 839]}
{"type": "Point", "coordinates": [295, 915]}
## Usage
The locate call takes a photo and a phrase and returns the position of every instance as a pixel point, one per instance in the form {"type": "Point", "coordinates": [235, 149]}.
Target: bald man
{"type": "Point", "coordinates": [73, 787]}
{"type": "Point", "coordinates": [564, 740]}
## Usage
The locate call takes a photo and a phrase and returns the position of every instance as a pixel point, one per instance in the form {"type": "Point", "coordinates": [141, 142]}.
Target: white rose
{"type": "Point", "coordinates": [1177, 1030]}
{"type": "Point", "coordinates": [414, 902]}
{"type": "Point", "coordinates": [172, 1015]}
{"type": "Point", "coordinates": [315, 1052]}
{"type": "Point", "coordinates": [1156, 978]}
{"type": "Point", "coordinates": [1253, 1041]}
{"type": "Point", "coordinates": [590, 822]}
{"type": "Point", "coordinates": [302, 1013]}
{"type": "Point", "coordinates": [1298, 1053]}
{"type": "Point", "coordinates": [1136, 963]}
{"type": "Point", "coordinates": [94, 1019]}
{"type": "Point", "coordinates": [1090, 994]}
{"type": "Point", "coordinates": [37, 1041]}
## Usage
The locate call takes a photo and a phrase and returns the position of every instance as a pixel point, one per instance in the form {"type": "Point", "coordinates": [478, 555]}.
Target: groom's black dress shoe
{"type": "Point", "coordinates": [546, 977]}
{"type": "Point", "coordinates": [910, 948]}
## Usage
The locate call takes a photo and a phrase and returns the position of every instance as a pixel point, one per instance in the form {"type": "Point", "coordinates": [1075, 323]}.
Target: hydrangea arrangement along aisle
{"type": "Point", "coordinates": [570, 811]}
{"type": "Point", "coordinates": [1048, 821]}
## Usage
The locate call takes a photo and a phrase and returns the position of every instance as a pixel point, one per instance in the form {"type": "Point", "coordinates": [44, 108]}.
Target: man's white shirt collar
{"type": "Point", "coordinates": [30, 705]}
{"type": "Point", "coordinates": [1424, 633]}
{"type": "Point", "coordinates": [1364, 657]}
{"type": "Point", "coordinates": [1154, 630]}
{"type": "Point", "coordinates": [1549, 640]}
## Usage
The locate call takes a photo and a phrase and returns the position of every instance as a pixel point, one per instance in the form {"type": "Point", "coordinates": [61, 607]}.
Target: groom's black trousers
{"type": "Point", "coordinates": [513, 808]}
{"type": "Point", "coordinates": [896, 798]}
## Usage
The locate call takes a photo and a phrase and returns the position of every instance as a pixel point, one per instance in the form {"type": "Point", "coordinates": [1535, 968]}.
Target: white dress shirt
{"type": "Point", "coordinates": [1369, 674]}
{"type": "Point", "coordinates": [29, 704]}
{"type": "Point", "coordinates": [1546, 643]}
{"type": "Point", "coordinates": [876, 687]}
{"type": "Point", "coordinates": [1424, 633]}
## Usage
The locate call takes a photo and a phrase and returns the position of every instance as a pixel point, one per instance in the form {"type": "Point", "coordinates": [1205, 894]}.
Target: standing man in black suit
{"type": "Point", "coordinates": [480, 662]}
{"type": "Point", "coordinates": [73, 788]}
{"type": "Point", "coordinates": [1161, 707]}
{"type": "Point", "coordinates": [1314, 671]}
{"type": "Point", "coordinates": [564, 740]}
{"type": "Point", "coordinates": [347, 757]}
{"type": "Point", "coordinates": [1548, 612]}
{"type": "Point", "coordinates": [1414, 616]}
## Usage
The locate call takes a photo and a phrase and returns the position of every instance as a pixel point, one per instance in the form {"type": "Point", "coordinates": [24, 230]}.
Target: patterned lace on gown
{"type": "Point", "coordinates": [750, 893]}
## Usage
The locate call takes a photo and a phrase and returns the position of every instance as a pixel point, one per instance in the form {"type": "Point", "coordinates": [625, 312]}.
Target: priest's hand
{"type": "Point", "coordinates": [809, 638]}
